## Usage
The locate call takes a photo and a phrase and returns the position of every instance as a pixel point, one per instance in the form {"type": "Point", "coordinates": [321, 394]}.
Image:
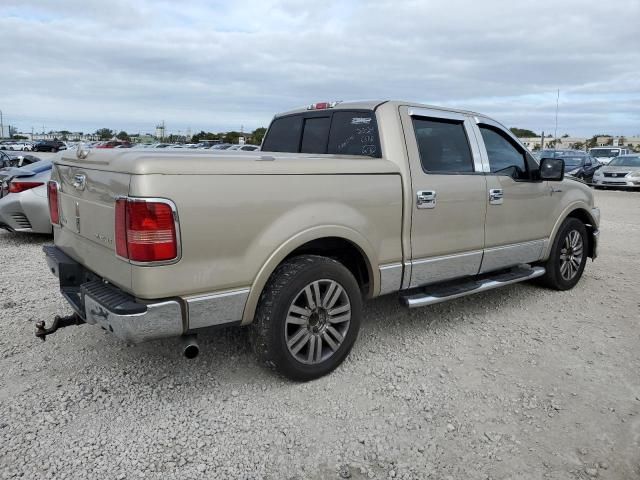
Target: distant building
{"type": "Point", "coordinates": [160, 131]}
{"type": "Point", "coordinates": [535, 143]}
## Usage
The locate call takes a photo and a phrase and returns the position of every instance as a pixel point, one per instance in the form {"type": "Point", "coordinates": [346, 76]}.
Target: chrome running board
{"type": "Point", "coordinates": [429, 295]}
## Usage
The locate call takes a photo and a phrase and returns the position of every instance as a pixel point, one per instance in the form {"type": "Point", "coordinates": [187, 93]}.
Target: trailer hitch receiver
{"type": "Point", "coordinates": [58, 322]}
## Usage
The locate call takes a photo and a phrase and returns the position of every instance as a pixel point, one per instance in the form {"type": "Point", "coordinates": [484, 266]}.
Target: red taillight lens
{"type": "Point", "coordinates": [52, 194]}
{"type": "Point", "coordinates": [17, 187]}
{"type": "Point", "coordinates": [145, 230]}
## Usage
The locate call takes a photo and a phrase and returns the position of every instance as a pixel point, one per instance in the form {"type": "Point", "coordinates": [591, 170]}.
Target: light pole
{"type": "Point", "coordinates": [1, 126]}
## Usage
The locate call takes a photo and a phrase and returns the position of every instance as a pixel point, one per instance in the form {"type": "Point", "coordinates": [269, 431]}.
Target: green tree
{"type": "Point", "coordinates": [124, 136]}
{"type": "Point", "coordinates": [523, 132]}
{"type": "Point", "coordinates": [204, 136]}
{"type": "Point", "coordinates": [578, 146]}
{"type": "Point", "coordinates": [257, 135]}
{"type": "Point", "coordinates": [105, 133]}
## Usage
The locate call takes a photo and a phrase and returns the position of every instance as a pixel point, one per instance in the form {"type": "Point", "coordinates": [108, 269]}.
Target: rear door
{"type": "Point", "coordinates": [449, 191]}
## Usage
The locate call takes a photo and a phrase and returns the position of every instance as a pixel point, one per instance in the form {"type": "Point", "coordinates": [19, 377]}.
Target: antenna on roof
{"type": "Point", "coordinates": [555, 133]}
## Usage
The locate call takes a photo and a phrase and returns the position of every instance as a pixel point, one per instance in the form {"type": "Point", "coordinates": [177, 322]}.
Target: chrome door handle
{"type": "Point", "coordinates": [426, 199]}
{"type": "Point", "coordinates": [496, 196]}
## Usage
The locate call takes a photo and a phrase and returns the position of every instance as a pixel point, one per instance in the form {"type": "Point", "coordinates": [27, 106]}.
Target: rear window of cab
{"type": "Point", "coordinates": [339, 132]}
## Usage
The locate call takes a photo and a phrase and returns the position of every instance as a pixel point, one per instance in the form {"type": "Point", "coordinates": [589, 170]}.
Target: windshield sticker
{"type": "Point", "coordinates": [360, 120]}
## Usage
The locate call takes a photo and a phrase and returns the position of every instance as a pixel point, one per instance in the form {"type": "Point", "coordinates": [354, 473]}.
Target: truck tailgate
{"type": "Point", "coordinates": [87, 216]}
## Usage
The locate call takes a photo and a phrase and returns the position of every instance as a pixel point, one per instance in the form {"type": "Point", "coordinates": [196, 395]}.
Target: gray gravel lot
{"type": "Point", "coordinates": [515, 383]}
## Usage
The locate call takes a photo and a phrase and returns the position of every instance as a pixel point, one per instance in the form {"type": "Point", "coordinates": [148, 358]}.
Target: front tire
{"type": "Point", "coordinates": [308, 317]}
{"type": "Point", "coordinates": [568, 256]}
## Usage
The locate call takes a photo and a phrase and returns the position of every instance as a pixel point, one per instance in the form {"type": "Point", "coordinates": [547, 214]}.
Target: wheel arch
{"type": "Point", "coordinates": [580, 212]}
{"type": "Point", "coordinates": [344, 244]}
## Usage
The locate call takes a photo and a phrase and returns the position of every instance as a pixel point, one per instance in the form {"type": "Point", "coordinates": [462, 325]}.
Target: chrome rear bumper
{"type": "Point", "coordinates": [99, 303]}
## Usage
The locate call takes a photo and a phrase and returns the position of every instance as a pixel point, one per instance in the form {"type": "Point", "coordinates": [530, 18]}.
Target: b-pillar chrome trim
{"type": "Point", "coordinates": [217, 308]}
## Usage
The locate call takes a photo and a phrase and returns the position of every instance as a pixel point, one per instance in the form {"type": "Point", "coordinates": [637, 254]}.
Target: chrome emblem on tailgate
{"type": "Point", "coordinates": [79, 181]}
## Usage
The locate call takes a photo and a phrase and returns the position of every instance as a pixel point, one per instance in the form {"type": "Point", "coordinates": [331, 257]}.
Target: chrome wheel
{"type": "Point", "coordinates": [317, 321]}
{"type": "Point", "coordinates": [571, 255]}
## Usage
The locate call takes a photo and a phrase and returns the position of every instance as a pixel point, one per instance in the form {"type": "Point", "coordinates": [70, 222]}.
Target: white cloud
{"type": "Point", "coordinates": [80, 64]}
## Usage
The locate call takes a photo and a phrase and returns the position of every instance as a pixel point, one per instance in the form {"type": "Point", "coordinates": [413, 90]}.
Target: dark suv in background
{"type": "Point", "coordinates": [49, 146]}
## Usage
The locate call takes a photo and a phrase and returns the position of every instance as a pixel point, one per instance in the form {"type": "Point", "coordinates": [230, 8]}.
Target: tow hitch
{"type": "Point", "coordinates": [58, 322]}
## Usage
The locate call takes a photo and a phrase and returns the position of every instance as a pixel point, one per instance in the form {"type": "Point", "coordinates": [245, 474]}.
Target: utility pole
{"type": "Point", "coordinates": [555, 134]}
{"type": "Point", "coordinates": [1, 125]}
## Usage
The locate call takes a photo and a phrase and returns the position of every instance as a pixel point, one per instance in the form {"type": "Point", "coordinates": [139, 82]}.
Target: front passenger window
{"type": "Point", "coordinates": [505, 158]}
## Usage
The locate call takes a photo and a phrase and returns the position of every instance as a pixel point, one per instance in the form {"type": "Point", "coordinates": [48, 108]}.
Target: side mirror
{"type": "Point", "coordinates": [552, 169]}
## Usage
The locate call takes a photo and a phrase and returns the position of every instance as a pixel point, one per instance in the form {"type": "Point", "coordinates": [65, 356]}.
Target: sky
{"type": "Point", "coordinates": [127, 65]}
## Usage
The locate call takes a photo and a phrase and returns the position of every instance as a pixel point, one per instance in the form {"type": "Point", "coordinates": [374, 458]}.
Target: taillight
{"type": "Point", "coordinates": [52, 194]}
{"type": "Point", "coordinates": [146, 230]}
{"type": "Point", "coordinates": [17, 187]}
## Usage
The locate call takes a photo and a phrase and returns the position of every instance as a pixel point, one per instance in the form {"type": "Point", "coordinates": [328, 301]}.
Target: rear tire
{"type": "Point", "coordinates": [568, 256]}
{"type": "Point", "coordinates": [308, 317]}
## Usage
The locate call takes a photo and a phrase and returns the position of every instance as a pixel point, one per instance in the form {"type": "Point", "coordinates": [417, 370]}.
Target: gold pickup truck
{"type": "Point", "coordinates": [344, 202]}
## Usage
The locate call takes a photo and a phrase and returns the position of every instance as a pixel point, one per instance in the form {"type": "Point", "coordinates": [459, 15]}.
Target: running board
{"type": "Point", "coordinates": [441, 293]}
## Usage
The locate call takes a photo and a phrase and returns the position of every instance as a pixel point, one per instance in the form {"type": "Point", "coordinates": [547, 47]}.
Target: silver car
{"type": "Point", "coordinates": [23, 198]}
{"type": "Point", "coordinates": [622, 171]}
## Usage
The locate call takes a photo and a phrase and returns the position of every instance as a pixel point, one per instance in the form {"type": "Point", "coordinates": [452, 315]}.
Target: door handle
{"type": "Point", "coordinates": [426, 199]}
{"type": "Point", "coordinates": [496, 196]}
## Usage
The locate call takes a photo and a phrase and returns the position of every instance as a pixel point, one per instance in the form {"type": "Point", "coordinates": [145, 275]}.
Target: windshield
{"type": "Point", "coordinates": [630, 161]}
{"type": "Point", "coordinates": [605, 152]}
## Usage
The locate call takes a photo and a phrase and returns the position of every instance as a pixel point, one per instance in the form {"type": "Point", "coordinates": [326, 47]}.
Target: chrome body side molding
{"type": "Point", "coordinates": [216, 309]}
{"type": "Point", "coordinates": [447, 267]}
{"type": "Point", "coordinates": [505, 256]}
{"type": "Point", "coordinates": [390, 278]}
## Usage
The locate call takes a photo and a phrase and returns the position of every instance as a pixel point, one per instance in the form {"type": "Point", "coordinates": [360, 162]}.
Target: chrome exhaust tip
{"type": "Point", "coordinates": [190, 347]}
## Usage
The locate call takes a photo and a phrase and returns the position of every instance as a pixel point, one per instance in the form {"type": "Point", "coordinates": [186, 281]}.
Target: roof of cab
{"type": "Point", "coordinates": [374, 104]}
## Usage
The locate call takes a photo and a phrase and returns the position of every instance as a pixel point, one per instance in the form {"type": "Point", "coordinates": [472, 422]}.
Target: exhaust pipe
{"type": "Point", "coordinates": [190, 347]}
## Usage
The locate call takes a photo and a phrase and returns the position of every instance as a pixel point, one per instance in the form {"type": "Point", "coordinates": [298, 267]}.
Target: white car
{"type": "Point", "coordinates": [18, 145]}
{"type": "Point", "coordinates": [243, 148]}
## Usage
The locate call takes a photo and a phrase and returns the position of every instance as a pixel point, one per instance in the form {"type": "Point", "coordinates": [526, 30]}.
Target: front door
{"type": "Point", "coordinates": [449, 190]}
{"type": "Point", "coordinates": [518, 205]}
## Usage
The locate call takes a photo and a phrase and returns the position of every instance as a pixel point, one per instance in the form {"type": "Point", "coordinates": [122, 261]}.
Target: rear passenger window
{"type": "Point", "coordinates": [505, 158]}
{"type": "Point", "coordinates": [284, 135]}
{"type": "Point", "coordinates": [315, 135]}
{"type": "Point", "coordinates": [354, 133]}
{"type": "Point", "coordinates": [443, 146]}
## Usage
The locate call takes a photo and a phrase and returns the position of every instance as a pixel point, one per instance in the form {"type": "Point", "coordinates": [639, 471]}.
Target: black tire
{"type": "Point", "coordinates": [556, 275]}
{"type": "Point", "coordinates": [270, 328]}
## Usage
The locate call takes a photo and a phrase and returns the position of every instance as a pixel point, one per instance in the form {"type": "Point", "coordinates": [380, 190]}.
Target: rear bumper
{"type": "Point", "coordinates": [99, 303]}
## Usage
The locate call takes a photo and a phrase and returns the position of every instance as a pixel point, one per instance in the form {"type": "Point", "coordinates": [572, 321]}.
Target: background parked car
{"type": "Point", "coordinates": [622, 171]}
{"type": "Point", "coordinates": [49, 146]}
{"type": "Point", "coordinates": [114, 144]}
{"type": "Point", "coordinates": [606, 154]}
{"type": "Point", "coordinates": [17, 145]}
{"type": "Point", "coordinates": [579, 165]}
{"type": "Point", "coordinates": [15, 159]}
{"type": "Point", "coordinates": [243, 148]}
{"type": "Point", "coordinates": [23, 198]}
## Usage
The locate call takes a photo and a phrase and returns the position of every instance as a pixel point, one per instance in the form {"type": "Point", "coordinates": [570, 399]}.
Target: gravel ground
{"type": "Point", "coordinates": [515, 383]}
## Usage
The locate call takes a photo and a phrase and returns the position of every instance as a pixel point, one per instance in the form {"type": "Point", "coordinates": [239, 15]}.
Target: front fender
{"type": "Point", "coordinates": [585, 210]}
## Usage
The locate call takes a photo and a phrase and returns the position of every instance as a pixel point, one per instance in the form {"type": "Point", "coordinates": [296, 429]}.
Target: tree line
{"type": "Point", "coordinates": [254, 137]}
